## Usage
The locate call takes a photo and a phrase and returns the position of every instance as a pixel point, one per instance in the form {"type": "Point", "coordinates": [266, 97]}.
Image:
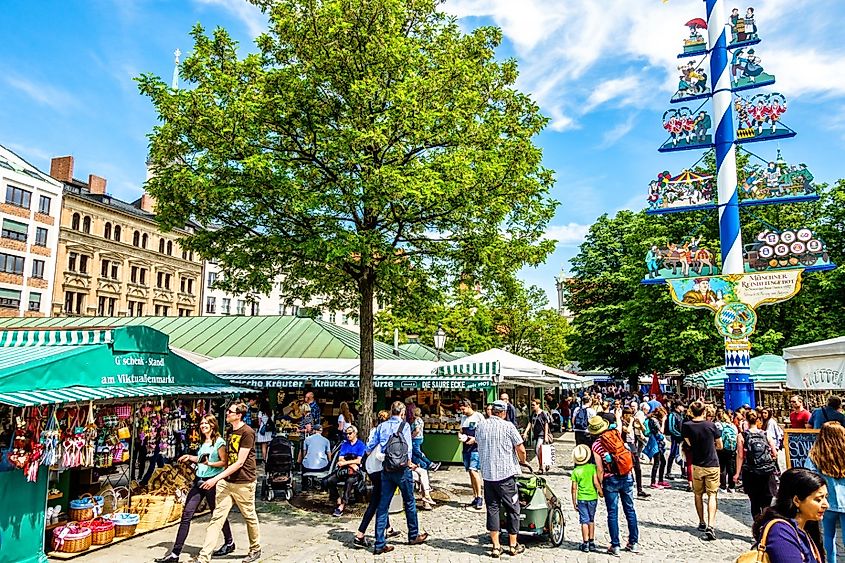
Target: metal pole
{"type": "Point", "coordinates": [739, 389]}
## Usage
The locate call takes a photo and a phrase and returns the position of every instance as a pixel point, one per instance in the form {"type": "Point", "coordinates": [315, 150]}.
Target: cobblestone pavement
{"type": "Point", "coordinates": [667, 524]}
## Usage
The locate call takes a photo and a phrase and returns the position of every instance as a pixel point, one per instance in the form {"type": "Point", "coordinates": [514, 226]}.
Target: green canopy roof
{"type": "Point", "coordinates": [426, 352]}
{"type": "Point", "coordinates": [271, 336]}
{"type": "Point", "coordinates": [57, 366]}
{"type": "Point", "coordinates": [767, 371]}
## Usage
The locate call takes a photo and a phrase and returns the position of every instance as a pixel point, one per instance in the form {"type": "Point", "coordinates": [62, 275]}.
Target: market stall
{"type": "Point", "coordinates": [333, 380]}
{"type": "Point", "coordinates": [74, 407]}
{"type": "Point", "coordinates": [816, 366]}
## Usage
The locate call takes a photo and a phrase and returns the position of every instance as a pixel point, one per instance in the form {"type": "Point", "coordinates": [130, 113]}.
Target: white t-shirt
{"type": "Point", "coordinates": [341, 422]}
{"type": "Point", "coordinates": [317, 450]}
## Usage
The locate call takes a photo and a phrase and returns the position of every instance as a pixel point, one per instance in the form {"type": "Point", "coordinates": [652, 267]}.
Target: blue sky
{"type": "Point", "coordinates": [603, 71]}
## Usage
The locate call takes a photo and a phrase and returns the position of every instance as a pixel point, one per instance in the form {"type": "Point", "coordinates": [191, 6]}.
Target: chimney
{"type": "Point", "coordinates": [148, 203]}
{"type": "Point", "coordinates": [96, 184]}
{"type": "Point", "coordinates": [61, 168]}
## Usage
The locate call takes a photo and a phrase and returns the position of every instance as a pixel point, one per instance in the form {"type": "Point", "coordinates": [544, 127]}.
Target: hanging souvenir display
{"type": "Point", "coordinates": [50, 438]}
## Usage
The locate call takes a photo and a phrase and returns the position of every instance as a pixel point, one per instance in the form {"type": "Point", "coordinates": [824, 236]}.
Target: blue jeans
{"type": "Point", "coordinates": [674, 450]}
{"type": "Point", "coordinates": [620, 488]}
{"type": "Point", "coordinates": [829, 522]}
{"type": "Point", "coordinates": [389, 483]}
{"type": "Point", "coordinates": [417, 455]}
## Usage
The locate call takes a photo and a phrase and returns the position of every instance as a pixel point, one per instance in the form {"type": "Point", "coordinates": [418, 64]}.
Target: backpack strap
{"type": "Point", "coordinates": [400, 429]}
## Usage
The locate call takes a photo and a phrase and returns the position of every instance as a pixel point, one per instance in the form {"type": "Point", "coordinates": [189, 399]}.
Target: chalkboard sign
{"type": "Point", "coordinates": [797, 444]}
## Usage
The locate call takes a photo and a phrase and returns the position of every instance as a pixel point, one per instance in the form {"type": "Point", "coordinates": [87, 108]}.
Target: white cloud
{"type": "Point", "coordinates": [626, 88]}
{"type": "Point", "coordinates": [615, 134]}
{"type": "Point", "coordinates": [250, 16]}
{"type": "Point", "coordinates": [43, 93]}
{"type": "Point", "coordinates": [571, 234]}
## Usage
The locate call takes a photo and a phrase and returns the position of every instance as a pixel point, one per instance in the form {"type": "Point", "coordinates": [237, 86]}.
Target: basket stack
{"type": "Point", "coordinates": [155, 511]}
{"type": "Point", "coordinates": [124, 524]}
{"type": "Point", "coordinates": [71, 538]}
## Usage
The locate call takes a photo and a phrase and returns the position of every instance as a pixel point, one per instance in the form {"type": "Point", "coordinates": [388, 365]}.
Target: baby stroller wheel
{"type": "Point", "coordinates": [556, 526]}
{"type": "Point", "coordinates": [270, 494]}
{"type": "Point", "coordinates": [288, 494]}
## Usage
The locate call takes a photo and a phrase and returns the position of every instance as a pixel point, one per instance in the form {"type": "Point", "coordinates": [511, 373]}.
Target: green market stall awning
{"type": "Point", "coordinates": [39, 367]}
{"type": "Point", "coordinates": [337, 372]}
{"type": "Point", "coordinates": [514, 369]}
{"type": "Point", "coordinates": [767, 371]}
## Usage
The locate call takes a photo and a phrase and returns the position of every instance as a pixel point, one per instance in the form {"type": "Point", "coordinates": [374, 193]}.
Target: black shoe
{"type": "Point", "coordinates": [169, 558]}
{"type": "Point", "coordinates": [643, 494]}
{"type": "Point", "coordinates": [362, 542]}
{"type": "Point", "coordinates": [226, 549]}
{"type": "Point", "coordinates": [709, 534]}
{"type": "Point", "coordinates": [702, 527]}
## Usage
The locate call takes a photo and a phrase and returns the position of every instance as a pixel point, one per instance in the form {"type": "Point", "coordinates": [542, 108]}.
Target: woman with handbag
{"type": "Point", "coordinates": [634, 439]}
{"type": "Point", "coordinates": [211, 460]}
{"type": "Point", "coordinates": [788, 531]}
{"type": "Point", "coordinates": [265, 428]}
{"type": "Point", "coordinates": [827, 458]}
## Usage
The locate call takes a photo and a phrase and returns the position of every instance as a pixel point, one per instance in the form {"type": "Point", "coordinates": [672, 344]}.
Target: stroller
{"type": "Point", "coordinates": [541, 512]}
{"type": "Point", "coordinates": [278, 470]}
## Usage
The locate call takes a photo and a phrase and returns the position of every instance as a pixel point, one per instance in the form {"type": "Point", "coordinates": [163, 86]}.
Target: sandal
{"type": "Point", "coordinates": [516, 549]}
{"type": "Point", "coordinates": [496, 552]}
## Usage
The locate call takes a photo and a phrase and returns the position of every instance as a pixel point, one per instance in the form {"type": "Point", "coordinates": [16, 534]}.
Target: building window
{"type": "Point", "coordinates": [138, 275]}
{"type": "Point", "coordinates": [212, 277]}
{"type": "Point", "coordinates": [136, 239]}
{"type": "Point", "coordinates": [104, 269]}
{"type": "Point", "coordinates": [44, 205]}
{"type": "Point", "coordinates": [186, 285]}
{"type": "Point", "coordinates": [18, 197]}
{"type": "Point", "coordinates": [86, 225]}
{"type": "Point", "coordinates": [107, 230]}
{"type": "Point", "coordinates": [11, 264]}
{"type": "Point", "coordinates": [184, 254]}
{"type": "Point", "coordinates": [106, 305]}
{"type": "Point", "coordinates": [167, 278]}
{"type": "Point", "coordinates": [74, 303]}
{"type": "Point", "coordinates": [170, 248]}
{"type": "Point", "coordinates": [253, 309]}
{"type": "Point", "coordinates": [225, 306]}
{"type": "Point", "coordinates": [83, 264]}
{"type": "Point", "coordinates": [282, 309]}
{"type": "Point", "coordinates": [74, 221]}
{"type": "Point", "coordinates": [191, 256]}
{"type": "Point", "coordinates": [211, 305]}
{"type": "Point", "coordinates": [241, 307]}
{"type": "Point", "coordinates": [162, 310]}
{"type": "Point", "coordinates": [10, 299]}
{"type": "Point", "coordinates": [144, 239]}
{"type": "Point", "coordinates": [71, 261]}
{"type": "Point", "coordinates": [117, 233]}
{"type": "Point", "coordinates": [40, 236]}
{"type": "Point", "coordinates": [333, 317]}
{"type": "Point", "coordinates": [136, 308]}
{"type": "Point", "coordinates": [109, 269]}
{"type": "Point", "coordinates": [161, 245]}
{"type": "Point", "coordinates": [14, 230]}
{"type": "Point", "coordinates": [184, 312]}
{"type": "Point", "coordinates": [190, 286]}
{"type": "Point", "coordinates": [34, 301]}
{"type": "Point", "coordinates": [38, 269]}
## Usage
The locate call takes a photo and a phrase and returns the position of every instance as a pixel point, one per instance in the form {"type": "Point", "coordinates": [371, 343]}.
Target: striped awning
{"type": "Point", "coordinates": [74, 394]}
{"type": "Point", "coordinates": [15, 338]}
{"type": "Point", "coordinates": [471, 368]}
{"type": "Point", "coordinates": [433, 382]}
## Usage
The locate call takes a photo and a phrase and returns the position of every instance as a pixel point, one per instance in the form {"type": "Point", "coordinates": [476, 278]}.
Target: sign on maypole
{"type": "Point", "coordinates": [769, 269]}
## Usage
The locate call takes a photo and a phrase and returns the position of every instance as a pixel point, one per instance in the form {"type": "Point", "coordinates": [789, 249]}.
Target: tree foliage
{"type": "Point", "coordinates": [366, 148]}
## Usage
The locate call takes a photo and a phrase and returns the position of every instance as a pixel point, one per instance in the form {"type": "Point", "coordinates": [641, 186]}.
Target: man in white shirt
{"type": "Point", "coordinates": [316, 451]}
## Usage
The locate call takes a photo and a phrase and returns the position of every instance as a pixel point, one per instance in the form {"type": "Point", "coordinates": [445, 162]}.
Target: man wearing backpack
{"type": "Point", "coordinates": [394, 437]}
{"type": "Point", "coordinates": [580, 421]}
{"type": "Point", "coordinates": [675, 424]}
{"type": "Point", "coordinates": [756, 455]}
{"type": "Point", "coordinates": [614, 466]}
{"type": "Point", "coordinates": [704, 439]}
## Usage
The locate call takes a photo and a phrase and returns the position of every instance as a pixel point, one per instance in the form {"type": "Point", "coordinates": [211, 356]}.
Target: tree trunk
{"type": "Point", "coordinates": [366, 392]}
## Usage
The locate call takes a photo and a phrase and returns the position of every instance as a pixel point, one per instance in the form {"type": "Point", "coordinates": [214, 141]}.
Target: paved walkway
{"type": "Point", "coordinates": [667, 523]}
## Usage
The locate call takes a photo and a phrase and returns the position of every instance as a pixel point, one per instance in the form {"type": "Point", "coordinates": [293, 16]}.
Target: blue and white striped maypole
{"type": "Point", "coordinates": [739, 389]}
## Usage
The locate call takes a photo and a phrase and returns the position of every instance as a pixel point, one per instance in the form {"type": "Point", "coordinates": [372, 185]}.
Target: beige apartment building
{"type": "Point", "coordinates": [112, 259]}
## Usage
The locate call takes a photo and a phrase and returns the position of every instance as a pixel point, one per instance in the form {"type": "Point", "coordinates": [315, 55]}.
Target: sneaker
{"type": "Point", "coordinates": [585, 547]}
{"type": "Point", "coordinates": [643, 494]}
{"type": "Point", "coordinates": [709, 534]}
{"type": "Point", "coordinates": [224, 550]}
{"type": "Point", "coordinates": [252, 556]}
{"type": "Point", "coordinates": [362, 542]}
{"type": "Point", "coordinates": [391, 533]}
{"type": "Point", "coordinates": [169, 558]}
{"type": "Point", "coordinates": [592, 545]}
{"type": "Point", "coordinates": [665, 484]}
{"type": "Point", "coordinates": [702, 527]}
{"type": "Point", "coordinates": [632, 548]}
{"type": "Point", "coordinates": [613, 550]}
{"type": "Point", "coordinates": [434, 466]}
{"type": "Point", "coordinates": [337, 512]}
{"type": "Point", "coordinates": [655, 486]}
{"type": "Point", "coordinates": [723, 490]}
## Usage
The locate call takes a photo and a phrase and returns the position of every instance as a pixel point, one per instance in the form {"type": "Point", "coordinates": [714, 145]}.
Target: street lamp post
{"type": "Point", "coordinates": [439, 340]}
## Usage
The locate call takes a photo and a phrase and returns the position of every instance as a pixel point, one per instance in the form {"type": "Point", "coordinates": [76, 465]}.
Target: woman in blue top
{"type": "Point", "coordinates": [211, 460]}
{"type": "Point", "coordinates": [827, 457]}
{"type": "Point", "coordinates": [800, 504]}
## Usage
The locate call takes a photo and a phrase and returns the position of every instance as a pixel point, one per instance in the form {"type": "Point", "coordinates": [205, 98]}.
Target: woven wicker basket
{"type": "Point", "coordinates": [124, 524]}
{"type": "Point", "coordinates": [71, 538]}
{"type": "Point", "coordinates": [102, 531]}
{"type": "Point", "coordinates": [154, 511]}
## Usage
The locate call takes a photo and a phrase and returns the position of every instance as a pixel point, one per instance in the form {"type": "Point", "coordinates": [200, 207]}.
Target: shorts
{"type": "Point", "coordinates": [587, 511]}
{"type": "Point", "coordinates": [705, 479]}
{"type": "Point", "coordinates": [538, 445]}
{"type": "Point", "coordinates": [471, 462]}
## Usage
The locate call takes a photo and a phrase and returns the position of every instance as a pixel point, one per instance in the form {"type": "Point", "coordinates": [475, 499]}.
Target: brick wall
{"type": "Point", "coordinates": [10, 244]}
{"type": "Point", "coordinates": [61, 168]}
{"type": "Point", "coordinates": [4, 312]}
{"type": "Point", "coordinates": [37, 282]}
{"type": "Point", "coordinates": [11, 278]}
{"type": "Point", "coordinates": [46, 219]}
{"type": "Point", "coordinates": [33, 314]}
{"type": "Point", "coordinates": [41, 250]}
{"type": "Point", "coordinates": [14, 210]}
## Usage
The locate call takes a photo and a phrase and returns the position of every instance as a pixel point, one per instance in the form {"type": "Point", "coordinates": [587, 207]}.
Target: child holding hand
{"type": "Point", "coordinates": [586, 490]}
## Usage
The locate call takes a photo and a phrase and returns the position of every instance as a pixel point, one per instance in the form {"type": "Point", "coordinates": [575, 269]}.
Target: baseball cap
{"type": "Point", "coordinates": [500, 405]}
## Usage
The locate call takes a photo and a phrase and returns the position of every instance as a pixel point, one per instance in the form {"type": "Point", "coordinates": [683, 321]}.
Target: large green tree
{"type": "Point", "coordinates": [366, 148]}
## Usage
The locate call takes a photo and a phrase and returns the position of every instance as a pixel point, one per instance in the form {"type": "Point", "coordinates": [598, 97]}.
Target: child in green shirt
{"type": "Point", "coordinates": [586, 490]}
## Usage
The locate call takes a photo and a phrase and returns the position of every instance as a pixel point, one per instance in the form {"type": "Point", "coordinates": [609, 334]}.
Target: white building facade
{"type": "Point", "coordinates": [217, 302]}
{"type": "Point", "coordinates": [29, 237]}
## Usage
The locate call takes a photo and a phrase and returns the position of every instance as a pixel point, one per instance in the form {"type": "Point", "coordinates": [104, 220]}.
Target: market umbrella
{"type": "Point", "coordinates": [655, 387]}
{"type": "Point", "coordinates": [697, 23]}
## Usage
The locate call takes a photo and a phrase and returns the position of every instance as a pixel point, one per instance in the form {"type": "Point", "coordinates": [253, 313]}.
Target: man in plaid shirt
{"type": "Point", "coordinates": [500, 451]}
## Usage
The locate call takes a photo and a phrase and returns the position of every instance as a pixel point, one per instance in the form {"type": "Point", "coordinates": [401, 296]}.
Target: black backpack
{"type": "Point", "coordinates": [396, 451]}
{"type": "Point", "coordinates": [581, 419]}
{"type": "Point", "coordinates": [758, 453]}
